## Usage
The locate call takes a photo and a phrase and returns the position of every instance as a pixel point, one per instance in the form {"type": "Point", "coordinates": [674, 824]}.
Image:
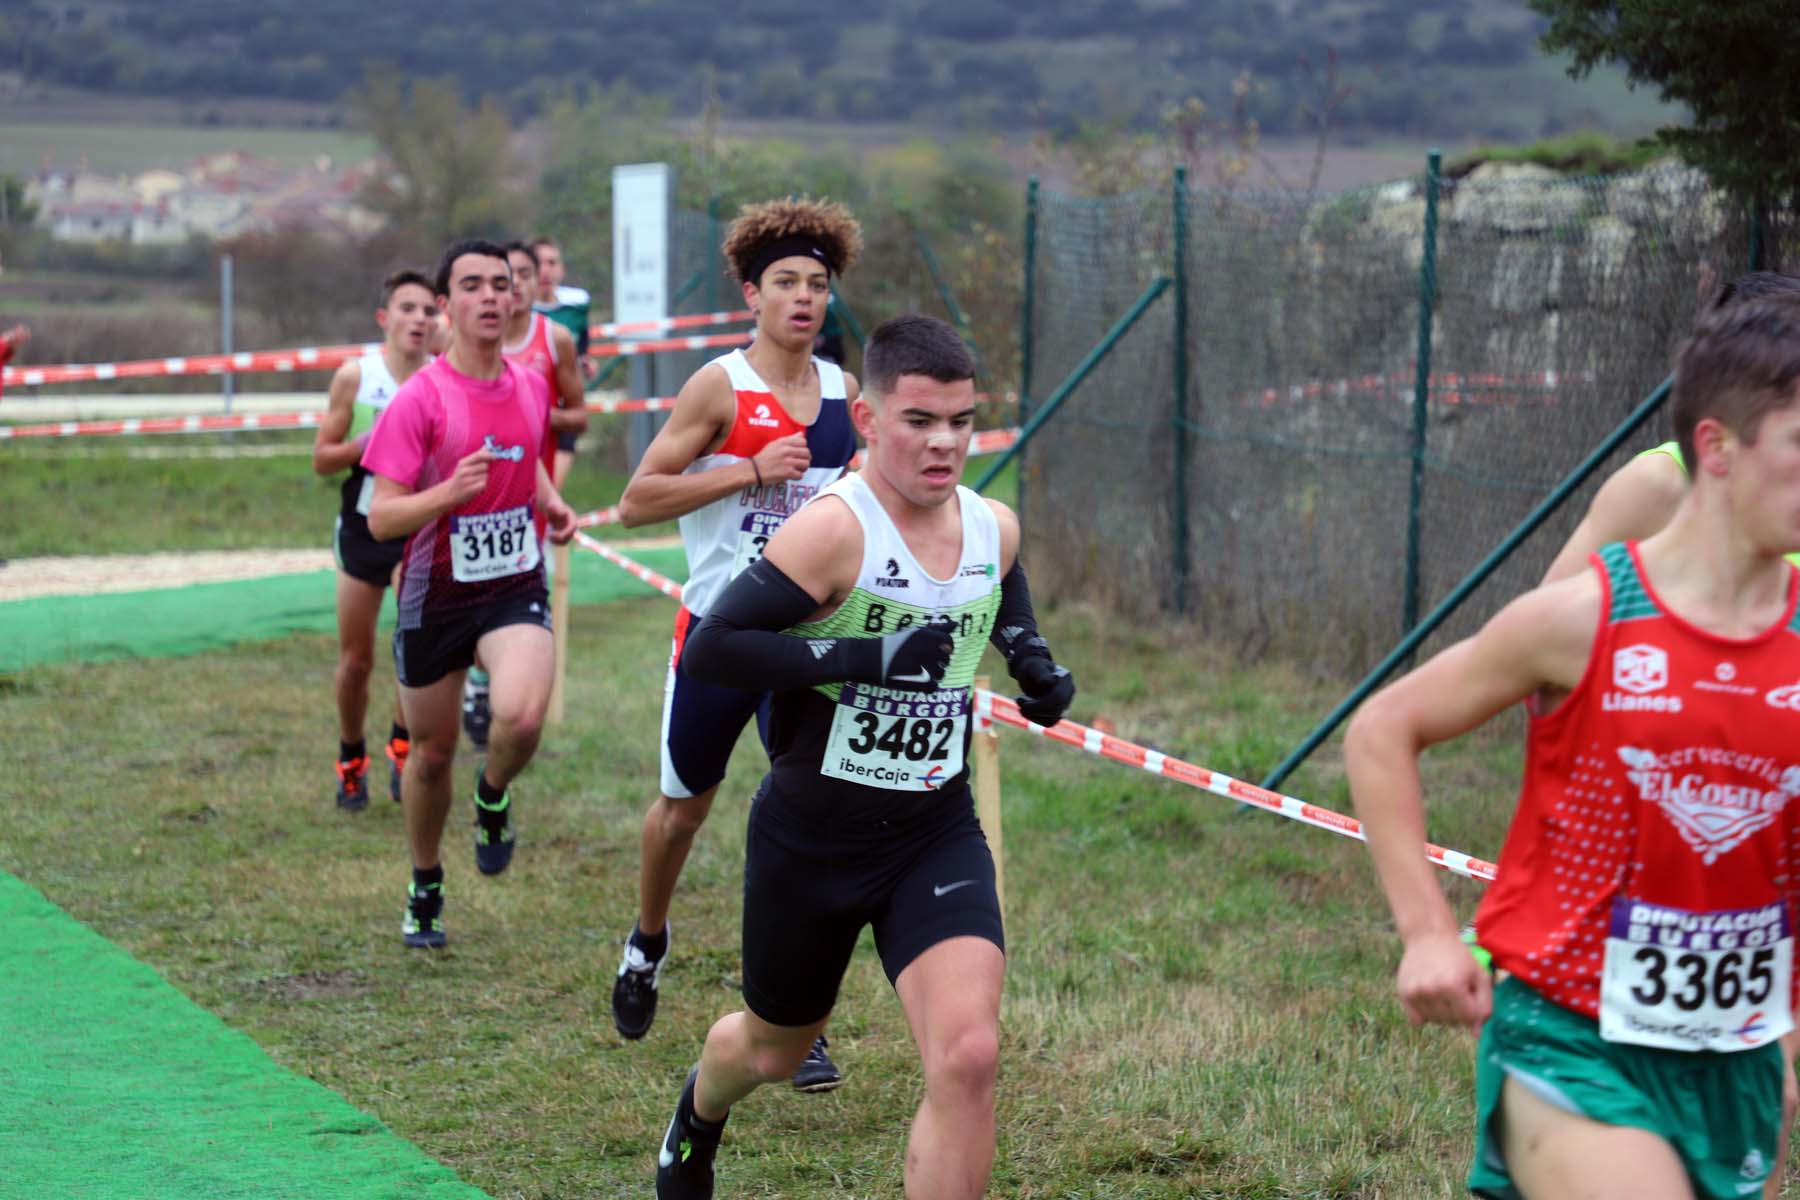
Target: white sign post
{"type": "Point", "coordinates": [641, 193]}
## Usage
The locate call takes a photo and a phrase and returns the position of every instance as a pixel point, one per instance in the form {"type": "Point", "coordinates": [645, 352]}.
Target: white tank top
{"type": "Point", "coordinates": [726, 536]}
{"type": "Point", "coordinates": [894, 739]}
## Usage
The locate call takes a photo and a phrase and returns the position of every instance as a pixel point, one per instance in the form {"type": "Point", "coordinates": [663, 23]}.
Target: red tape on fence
{"type": "Point", "coordinates": [660, 325]}
{"type": "Point", "coordinates": [996, 709]}
{"type": "Point", "coordinates": [1000, 710]}
{"type": "Point", "coordinates": [699, 342]}
{"type": "Point", "coordinates": [212, 423]}
{"type": "Point", "coordinates": [306, 358]}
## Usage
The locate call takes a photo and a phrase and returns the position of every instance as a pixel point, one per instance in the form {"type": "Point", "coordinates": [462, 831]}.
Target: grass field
{"type": "Point", "coordinates": [57, 499]}
{"type": "Point", "coordinates": [123, 148]}
{"type": "Point", "coordinates": [1199, 1002]}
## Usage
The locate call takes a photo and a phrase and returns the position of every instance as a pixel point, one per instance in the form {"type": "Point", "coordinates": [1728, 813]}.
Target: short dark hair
{"type": "Point", "coordinates": [467, 246]}
{"type": "Point", "coordinates": [1742, 363]}
{"type": "Point", "coordinates": [1757, 285]}
{"type": "Point", "coordinates": [524, 248]}
{"type": "Point", "coordinates": [400, 279]}
{"type": "Point", "coordinates": [914, 344]}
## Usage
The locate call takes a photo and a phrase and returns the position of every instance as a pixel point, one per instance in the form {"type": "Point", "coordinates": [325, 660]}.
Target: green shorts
{"type": "Point", "coordinates": [1720, 1112]}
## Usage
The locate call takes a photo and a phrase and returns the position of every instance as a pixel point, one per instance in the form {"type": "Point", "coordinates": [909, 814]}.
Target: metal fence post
{"type": "Point", "coordinates": [1421, 390]}
{"type": "Point", "coordinates": [1179, 514]}
{"type": "Point", "coordinates": [1026, 312]}
{"type": "Point", "coordinates": [227, 382]}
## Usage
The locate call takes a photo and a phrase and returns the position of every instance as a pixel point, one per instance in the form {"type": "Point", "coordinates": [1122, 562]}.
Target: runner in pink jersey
{"type": "Point", "coordinates": [458, 472]}
{"type": "Point", "coordinates": [1646, 904]}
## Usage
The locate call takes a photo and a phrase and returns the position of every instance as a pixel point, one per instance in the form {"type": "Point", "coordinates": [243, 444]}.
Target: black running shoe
{"type": "Point", "coordinates": [817, 1072]}
{"type": "Point", "coordinates": [353, 784]}
{"type": "Point", "coordinates": [397, 750]}
{"type": "Point", "coordinates": [684, 1161]}
{"type": "Point", "coordinates": [493, 846]}
{"type": "Point", "coordinates": [476, 718]}
{"type": "Point", "coordinates": [423, 924]}
{"type": "Point", "coordinates": [634, 991]}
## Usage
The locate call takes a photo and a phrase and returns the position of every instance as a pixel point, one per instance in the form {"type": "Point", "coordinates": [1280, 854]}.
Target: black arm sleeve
{"type": "Point", "coordinates": [1015, 625]}
{"type": "Point", "coordinates": [739, 644]}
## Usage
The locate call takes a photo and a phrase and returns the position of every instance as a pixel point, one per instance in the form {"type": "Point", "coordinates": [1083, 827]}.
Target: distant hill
{"type": "Point", "coordinates": [1466, 68]}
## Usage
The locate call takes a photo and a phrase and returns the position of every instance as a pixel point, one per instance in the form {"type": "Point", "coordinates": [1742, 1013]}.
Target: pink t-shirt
{"type": "Point", "coordinates": [488, 548]}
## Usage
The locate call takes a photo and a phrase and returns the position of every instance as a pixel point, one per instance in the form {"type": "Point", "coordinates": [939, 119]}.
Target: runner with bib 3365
{"type": "Point", "coordinates": [1644, 913]}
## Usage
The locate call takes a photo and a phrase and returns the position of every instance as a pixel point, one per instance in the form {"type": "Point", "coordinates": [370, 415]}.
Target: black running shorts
{"type": "Point", "coordinates": [566, 441]}
{"type": "Point", "coordinates": [360, 556]}
{"type": "Point", "coordinates": [425, 655]}
{"type": "Point", "coordinates": [805, 905]}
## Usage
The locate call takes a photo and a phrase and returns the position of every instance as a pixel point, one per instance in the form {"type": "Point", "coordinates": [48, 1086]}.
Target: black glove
{"type": "Point", "coordinates": [912, 659]}
{"type": "Point", "coordinates": [1049, 689]}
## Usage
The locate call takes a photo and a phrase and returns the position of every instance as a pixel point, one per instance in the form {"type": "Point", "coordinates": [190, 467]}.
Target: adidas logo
{"type": "Point", "coordinates": [821, 647]}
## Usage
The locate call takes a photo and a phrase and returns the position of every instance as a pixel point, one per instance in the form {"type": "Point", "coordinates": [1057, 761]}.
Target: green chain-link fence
{"type": "Point", "coordinates": [1555, 307]}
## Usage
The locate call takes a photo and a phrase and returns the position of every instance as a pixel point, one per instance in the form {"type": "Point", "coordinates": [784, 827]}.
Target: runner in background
{"type": "Point", "coordinates": [459, 472]}
{"type": "Point", "coordinates": [755, 434]}
{"type": "Point", "coordinates": [569, 307]}
{"type": "Point", "coordinates": [360, 389]}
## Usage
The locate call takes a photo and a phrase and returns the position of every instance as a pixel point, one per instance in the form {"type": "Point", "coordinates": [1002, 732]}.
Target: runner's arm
{"type": "Point", "coordinates": [1537, 644]}
{"type": "Point", "coordinates": [1635, 502]}
{"type": "Point", "coordinates": [559, 517]}
{"type": "Point", "coordinates": [398, 511]}
{"type": "Point", "coordinates": [331, 453]}
{"type": "Point", "coordinates": [1049, 689]}
{"type": "Point", "coordinates": [569, 413]}
{"type": "Point", "coordinates": [807, 568]}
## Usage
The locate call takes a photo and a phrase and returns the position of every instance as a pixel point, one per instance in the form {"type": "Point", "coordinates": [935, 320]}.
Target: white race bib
{"type": "Point", "coordinates": [366, 496]}
{"type": "Point", "coordinates": [753, 534]}
{"type": "Point", "coordinates": [486, 546]}
{"type": "Point", "coordinates": [902, 741]}
{"type": "Point", "coordinates": [1682, 980]}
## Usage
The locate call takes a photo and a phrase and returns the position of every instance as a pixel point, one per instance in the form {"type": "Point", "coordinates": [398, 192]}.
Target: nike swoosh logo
{"type": "Point", "coordinates": [946, 889]}
{"type": "Point", "coordinates": [664, 1156]}
{"type": "Point", "coordinates": [923, 676]}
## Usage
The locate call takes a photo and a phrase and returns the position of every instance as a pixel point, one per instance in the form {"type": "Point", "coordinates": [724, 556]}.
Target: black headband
{"type": "Point", "coordinates": [792, 246]}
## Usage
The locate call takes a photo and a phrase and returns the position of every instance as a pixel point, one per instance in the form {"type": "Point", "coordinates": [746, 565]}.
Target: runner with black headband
{"type": "Point", "coordinates": [755, 434]}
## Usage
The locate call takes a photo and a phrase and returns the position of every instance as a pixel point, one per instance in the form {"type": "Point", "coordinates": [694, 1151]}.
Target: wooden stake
{"type": "Point", "coordinates": [559, 619]}
{"type": "Point", "coordinates": [986, 748]}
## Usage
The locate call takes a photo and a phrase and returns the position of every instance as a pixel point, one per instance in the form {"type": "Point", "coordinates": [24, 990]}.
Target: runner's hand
{"type": "Point", "coordinates": [1049, 690]}
{"type": "Point", "coordinates": [783, 459]}
{"type": "Point", "coordinates": [1440, 981]}
{"type": "Point", "coordinates": [913, 659]}
{"type": "Point", "coordinates": [559, 522]}
{"type": "Point", "coordinates": [470, 477]}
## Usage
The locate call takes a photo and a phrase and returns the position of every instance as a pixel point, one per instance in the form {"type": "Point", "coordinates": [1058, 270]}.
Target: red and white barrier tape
{"type": "Point", "coordinates": [635, 404]}
{"type": "Point", "coordinates": [1449, 388]}
{"type": "Point", "coordinates": [995, 709]}
{"type": "Point", "coordinates": [661, 583]}
{"type": "Point", "coordinates": [999, 709]}
{"type": "Point", "coordinates": [600, 516]}
{"type": "Point", "coordinates": [697, 320]}
{"type": "Point", "coordinates": [213, 423]}
{"type": "Point", "coordinates": [698, 342]}
{"type": "Point", "coordinates": [306, 358]}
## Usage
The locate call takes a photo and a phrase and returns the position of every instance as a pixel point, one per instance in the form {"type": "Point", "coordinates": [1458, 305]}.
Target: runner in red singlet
{"type": "Point", "coordinates": [458, 462]}
{"type": "Point", "coordinates": [1645, 907]}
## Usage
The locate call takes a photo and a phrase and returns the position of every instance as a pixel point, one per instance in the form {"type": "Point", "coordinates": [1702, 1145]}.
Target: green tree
{"type": "Point", "coordinates": [1735, 64]}
{"type": "Point", "coordinates": [450, 173]}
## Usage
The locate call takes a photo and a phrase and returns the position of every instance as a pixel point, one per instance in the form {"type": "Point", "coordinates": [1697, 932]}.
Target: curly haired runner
{"type": "Point", "coordinates": [754, 435]}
